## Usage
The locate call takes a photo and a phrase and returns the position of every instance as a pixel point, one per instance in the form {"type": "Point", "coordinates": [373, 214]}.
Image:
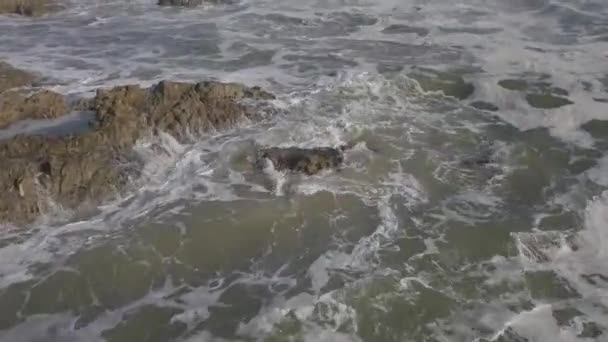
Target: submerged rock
{"type": "Point", "coordinates": [451, 84]}
{"type": "Point", "coordinates": [186, 3]}
{"type": "Point", "coordinates": [405, 29]}
{"type": "Point", "coordinates": [539, 93]}
{"type": "Point", "coordinates": [547, 101]}
{"type": "Point", "coordinates": [514, 85]}
{"type": "Point", "coordinates": [305, 160]}
{"type": "Point", "coordinates": [31, 8]}
{"type": "Point", "coordinates": [72, 170]}
{"type": "Point", "coordinates": [482, 105]}
{"type": "Point", "coordinates": [12, 78]}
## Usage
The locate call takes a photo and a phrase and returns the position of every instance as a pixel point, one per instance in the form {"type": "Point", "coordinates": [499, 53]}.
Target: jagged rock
{"type": "Point", "coordinates": [11, 77]}
{"type": "Point", "coordinates": [307, 161]}
{"type": "Point", "coordinates": [92, 166]}
{"type": "Point", "coordinates": [15, 106]}
{"type": "Point", "coordinates": [31, 8]}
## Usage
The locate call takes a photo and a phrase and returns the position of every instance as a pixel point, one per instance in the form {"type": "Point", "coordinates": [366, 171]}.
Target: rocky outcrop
{"type": "Point", "coordinates": [88, 168]}
{"type": "Point", "coordinates": [15, 106]}
{"type": "Point", "coordinates": [305, 160]}
{"type": "Point", "coordinates": [12, 78]}
{"type": "Point", "coordinates": [31, 8]}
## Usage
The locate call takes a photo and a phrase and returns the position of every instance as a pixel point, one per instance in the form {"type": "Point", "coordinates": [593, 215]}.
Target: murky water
{"type": "Point", "coordinates": [446, 223]}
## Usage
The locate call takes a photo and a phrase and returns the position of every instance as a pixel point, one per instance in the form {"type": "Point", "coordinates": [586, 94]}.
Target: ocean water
{"type": "Point", "coordinates": [446, 223]}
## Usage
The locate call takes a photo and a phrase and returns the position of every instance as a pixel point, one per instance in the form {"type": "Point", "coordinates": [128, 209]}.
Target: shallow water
{"type": "Point", "coordinates": [446, 223]}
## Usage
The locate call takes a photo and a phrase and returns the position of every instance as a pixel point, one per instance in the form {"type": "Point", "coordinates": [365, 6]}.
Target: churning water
{"type": "Point", "coordinates": [446, 223]}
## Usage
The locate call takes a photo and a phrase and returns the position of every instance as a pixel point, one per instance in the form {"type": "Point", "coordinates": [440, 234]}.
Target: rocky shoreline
{"type": "Point", "coordinates": [88, 168]}
{"type": "Point", "coordinates": [30, 8]}
{"type": "Point", "coordinates": [73, 170]}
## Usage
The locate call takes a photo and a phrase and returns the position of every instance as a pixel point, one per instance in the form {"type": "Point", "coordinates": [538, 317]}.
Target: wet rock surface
{"type": "Point", "coordinates": [186, 3]}
{"type": "Point", "coordinates": [15, 106]}
{"type": "Point", "coordinates": [487, 106]}
{"type": "Point", "coordinates": [451, 84]}
{"type": "Point", "coordinates": [405, 29]}
{"type": "Point", "coordinates": [31, 8]}
{"type": "Point", "coordinates": [539, 93]}
{"type": "Point", "coordinates": [309, 161]}
{"type": "Point", "coordinates": [40, 171]}
{"type": "Point", "coordinates": [11, 77]}
{"type": "Point", "coordinates": [547, 101]}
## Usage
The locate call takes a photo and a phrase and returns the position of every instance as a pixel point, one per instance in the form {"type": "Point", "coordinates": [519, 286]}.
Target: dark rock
{"type": "Point", "coordinates": [30, 8]}
{"type": "Point", "coordinates": [88, 168]}
{"type": "Point", "coordinates": [591, 330]}
{"type": "Point", "coordinates": [597, 128]}
{"type": "Point", "coordinates": [185, 3]}
{"type": "Point", "coordinates": [304, 160]}
{"type": "Point", "coordinates": [404, 29]}
{"type": "Point", "coordinates": [547, 101]}
{"type": "Point", "coordinates": [539, 94]}
{"type": "Point", "coordinates": [515, 85]}
{"type": "Point", "coordinates": [11, 77]}
{"type": "Point", "coordinates": [482, 105]}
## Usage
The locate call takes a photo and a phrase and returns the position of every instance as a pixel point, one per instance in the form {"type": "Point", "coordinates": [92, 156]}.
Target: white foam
{"type": "Point", "coordinates": [321, 110]}
{"type": "Point", "coordinates": [538, 325]}
{"type": "Point", "coordinates": [599, 173]}
{"type": "Point", "coordinates": [575, 260]}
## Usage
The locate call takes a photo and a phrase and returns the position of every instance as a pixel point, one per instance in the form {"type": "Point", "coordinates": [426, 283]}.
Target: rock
{"type": "Point", "coordinates": [15, 106]}
{"type": "Point", "coordinates": [30, 8]}
{"type": "Point", "coordinates": [591, 330]}
{"type": "Point", "coordinates": [181, 3]}
{"type": "Point", "coordinates": [450, 84]}
{"type": "Point", "coordinates": [547, 101]}
{"type": "Point", "coordinates": [559, 91]}
{"type": "Point", "coordinates": [487, 106]}
{"type": "Point", "coordinates": [514, 85]}
{"type": "Point", "coordinates": [539, 93]}
{"type": "Point", "coordinates": [177, 108]}
{"type": "Point", "coordinates": [307, 161]}
{"type": "Point", "coordinates": [404, 29]}
{"type": "Point", "coordinates": [11, 77]}
{"type": "Point", "coordinates": [78, 169]}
